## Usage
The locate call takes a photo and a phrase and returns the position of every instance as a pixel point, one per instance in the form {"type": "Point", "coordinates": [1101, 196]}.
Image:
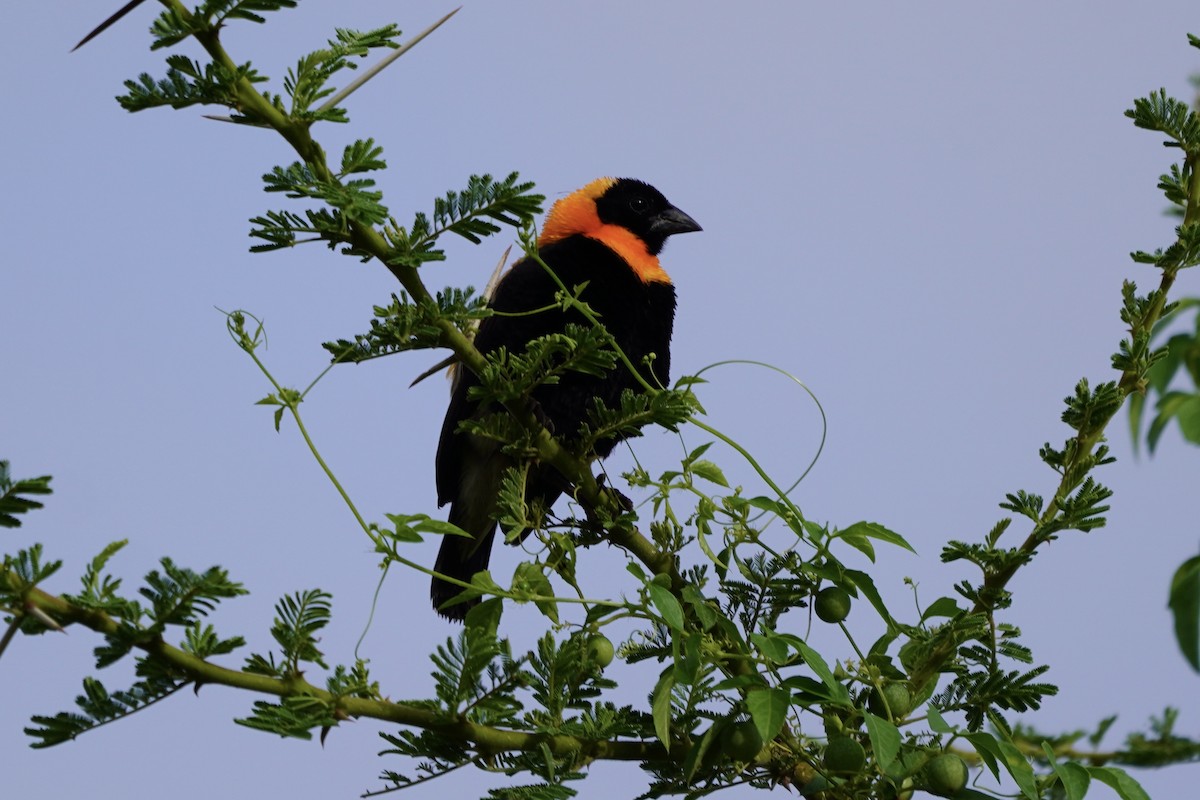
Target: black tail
{"type": "Point", "coordinates": [459, 558]}
{"type": "Point", "coordinates": [473, 509]}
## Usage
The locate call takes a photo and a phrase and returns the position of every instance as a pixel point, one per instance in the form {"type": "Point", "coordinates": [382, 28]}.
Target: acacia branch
{"type": "Point", "coordinates": [487, 739]}
{"type": "Point", "coordinates": [1132, 379]}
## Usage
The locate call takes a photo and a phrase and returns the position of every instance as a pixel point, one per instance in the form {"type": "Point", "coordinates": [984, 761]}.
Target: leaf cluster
{"type": "Point", "coordinates": [510, 376]}
{"type": "Point", "coordinates": [308, 81]}
{"type": "Point", "coordinates": [404, 325]}
{"type": "Point", "coordinates": [174, 25]}
{"type": "Point", "coordinates": [472, 213]}
{"type": "Point", "coordinates": [16, 496]}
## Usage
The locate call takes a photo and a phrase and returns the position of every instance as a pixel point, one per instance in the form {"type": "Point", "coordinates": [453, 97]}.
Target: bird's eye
{"type": "Point", "coordinates": [639, 205]}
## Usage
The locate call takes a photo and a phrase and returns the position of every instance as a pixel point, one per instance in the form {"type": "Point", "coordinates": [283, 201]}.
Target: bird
{"type": "Point", "coordinates": [607, 235]}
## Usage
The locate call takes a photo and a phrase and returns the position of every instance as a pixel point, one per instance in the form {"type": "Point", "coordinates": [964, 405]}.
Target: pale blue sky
{"type": "Point", "coordinates": [922, 209]}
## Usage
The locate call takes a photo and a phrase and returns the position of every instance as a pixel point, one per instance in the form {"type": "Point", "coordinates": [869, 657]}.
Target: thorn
{"type": "Point", "coordinates": [493, 281]}
{"type": "Point", "coordinates": [43, 617]}
{"type": "Point", "coordinates": [247, 123]}
{"type": "Point", "coordinates": [449, 361]}
{"type": "Point", "coordinates": [488, 291]}
{"type": "Point", "coordinates": [388, 59]}
{"type": "Point", "coordinates": [103, 26]}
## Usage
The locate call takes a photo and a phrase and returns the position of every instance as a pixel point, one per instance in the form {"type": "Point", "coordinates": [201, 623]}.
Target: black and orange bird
{"type": "Point", "coordinates": [608, 235]}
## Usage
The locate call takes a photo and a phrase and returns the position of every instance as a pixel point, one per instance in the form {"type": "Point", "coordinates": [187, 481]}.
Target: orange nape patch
{"type": "Point", "coordinates": [575, 215]}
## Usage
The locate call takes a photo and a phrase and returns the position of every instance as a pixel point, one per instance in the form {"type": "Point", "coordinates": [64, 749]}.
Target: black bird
{"type": "Point", "coordinates": [607, 234]}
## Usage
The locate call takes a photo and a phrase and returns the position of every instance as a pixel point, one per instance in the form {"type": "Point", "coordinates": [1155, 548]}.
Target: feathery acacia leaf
{"type": "Point", "coordinates": [187, 83]}
{"type": "Point", "coordinates": [472, 213]}
{"type": "Point", "coordinates": [99, 706]}
{"type": "Point", "coordinates": [15, 496]}
{"type": "Point", "coordinates": [404, 325]}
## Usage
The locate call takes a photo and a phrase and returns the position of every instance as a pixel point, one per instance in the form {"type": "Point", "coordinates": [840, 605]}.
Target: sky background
{"type": "Point", "coordinates": [923, 210]}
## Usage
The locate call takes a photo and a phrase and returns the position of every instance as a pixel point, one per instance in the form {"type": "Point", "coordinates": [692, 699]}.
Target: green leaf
{"type": "Point", "coordinates": [1158, 112]}
{"type": "Point", "coordinates": [876, 531]}
{"type": "Point", "coordinates": [937, 723]}
{"type": "Point", "coordinates": [660, 706]}
{"type": "Point", "coordinates": [807, 691]}
{"type": "Point", "coordinates": [1137, 402]}
{"type": "Point", "coordinates": [667, 605]}
{"type": "Point", "coordinates": [942, 607]}
{"type": "Point", "coordinates": [710, 472]}
{"type": "Point", "coordinates": [885, 739]}
{"type": "Point", "coordinates": [742, 682]}
{"type": "Point", "coordinates": [1168, 405]}
{"type": "Point", "coordinates": [687, 660]}
{"type": "Point", "coordinates": [298, 618]}
{"type": "Point", "coordinates": [472, 214]}
{"type": "Point", "coordinates": [863, 583]}
{"type": "Point", "coordinates": [1161, 373]}
{"type": "Point", "coordinates": [11, 500]}
{"type": "Point", "coordinates": [817, 664]}
{"type": "Point", "coordinates": [988, 749]}
{"type": "Point", "coordinates": [296, 716]}
{"type": "Point", "coordinates": [1118, 779]}
{"type": "Point", "coordinates": [769, 504]}
{"type": "Point", "coordinates": [1073, 777]}
{"type": "Point", "coordinates": [860, 543]}
{"type": "Point", "coordinates": [1184, 603]}
{"type": "Point", "coordinates": [308, 81]}
{"type": "Point", "coordinates": [695, 756]}
{"type": "Point", "coordinates": [485, 618]}
{"type": "Point", "coordinates": [409, 527]}
{"type": "Point", "coordinates": [773, 647]}
{"type": "Point", "coordinates": [529, 580]}
{"type": "Point", "coordinates": [99, 706]}
{"type": "Point", "coordinates": [461, 662]}
{"type": "Point", "coordinates": [362, 156]}
{"type": "Point", "coordinates": [768, 708]}
{"type": "Point", "coordinates": [1019, 767]}
{"type": "Point", "coordinates": [1188, 416]}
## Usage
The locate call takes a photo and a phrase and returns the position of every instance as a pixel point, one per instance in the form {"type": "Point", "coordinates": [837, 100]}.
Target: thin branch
{"type": "Point", "coordinates": [10, 632]}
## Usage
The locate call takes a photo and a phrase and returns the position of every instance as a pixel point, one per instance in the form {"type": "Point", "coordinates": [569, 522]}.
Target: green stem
{"type": "Point", "coordinates": [487, 738]}
{"type": "Point", "coordinates": [10, 632]}
{"type": "Point", "coordinates": [312, 447]}
{"type": "Point", "coordinates": [744, 453]}
{"type": "Point", "coordinates": [1131, 380]}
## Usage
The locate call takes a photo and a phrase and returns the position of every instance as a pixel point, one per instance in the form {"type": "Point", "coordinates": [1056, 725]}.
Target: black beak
{"type": "Point", "coordinates": [670, 221]}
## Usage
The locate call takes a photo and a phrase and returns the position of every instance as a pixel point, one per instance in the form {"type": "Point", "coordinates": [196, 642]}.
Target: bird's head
{"type": "Point", "coordinates": [630, 216]}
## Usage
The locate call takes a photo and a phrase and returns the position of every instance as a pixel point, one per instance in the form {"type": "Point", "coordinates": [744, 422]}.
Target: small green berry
{"type": "Point", "coordinates": [832, 604]}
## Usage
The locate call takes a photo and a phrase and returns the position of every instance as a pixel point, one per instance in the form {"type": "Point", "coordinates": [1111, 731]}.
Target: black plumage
{"type": "Point", "coordinates": [586, 238]}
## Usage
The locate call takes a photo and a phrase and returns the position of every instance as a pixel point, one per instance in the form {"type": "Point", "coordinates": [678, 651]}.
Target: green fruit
{"type": "Point", "coordinates": [844, 755]}
{"type": "Point", "coordinates": [898, 700]}
{"type": "Point", "coordinates": [600, 650]}
{"type": "Point", "coordinates": [946, 775]}
{"type": "Point", "coordinates": [741, 741]}
{"type": "Point", "coordinates": [832, 604]}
